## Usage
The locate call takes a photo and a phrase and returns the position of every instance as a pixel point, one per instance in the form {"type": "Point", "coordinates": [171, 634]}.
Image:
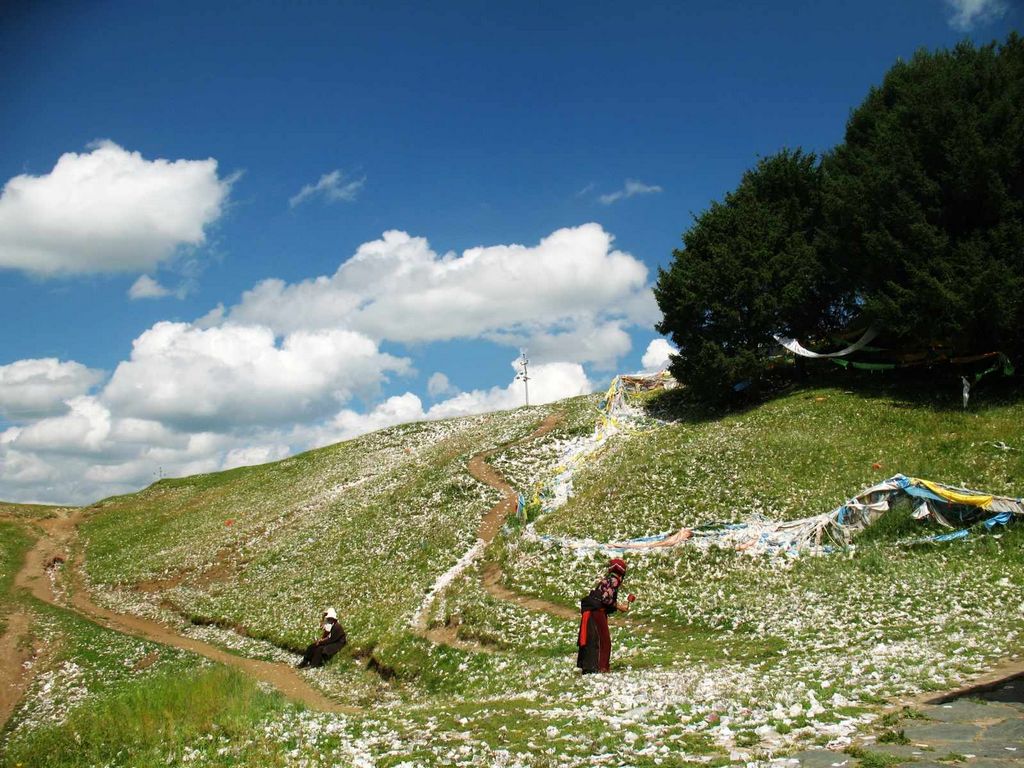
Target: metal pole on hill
{"type": "Point", "coordinates": [523, 375]}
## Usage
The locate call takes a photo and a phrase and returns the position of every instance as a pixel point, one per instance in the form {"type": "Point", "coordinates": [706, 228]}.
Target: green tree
{"type": "Point", "coordinates": [926, 198]}
{"type": "Point", "coordinates": [750, 267]}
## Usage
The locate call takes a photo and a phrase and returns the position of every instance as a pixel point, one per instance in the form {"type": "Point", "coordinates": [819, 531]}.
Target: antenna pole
{"type": "Point", "coordinates": [523, 374]}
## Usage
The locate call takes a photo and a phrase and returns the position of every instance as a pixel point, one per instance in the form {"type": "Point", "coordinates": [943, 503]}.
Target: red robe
{"type": "Point", "coordinates": [594, 639]}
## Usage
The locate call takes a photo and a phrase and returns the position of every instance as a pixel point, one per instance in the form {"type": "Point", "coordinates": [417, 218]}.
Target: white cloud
{"type": "Point", "coordinates": [284, 369]}
{"type": "Point", "coordinates": [36, 475]}
{"type": "Point", "coordinates": [37, 388]}
{"type": "Point", "coordinates": [438, 385]}
{"type": "Point", "coordinates": [254, 454]}
{"type": "Point", "coordinates": [332, 187]}
{"type": "Point", "coordinates": [399, 289]}
{"type": "Point", "coordinates": [84, 428]}
{"type": "Point", "coordinates": [346, 424]}
{"type": "Point", "coordinates": [583, 342]}
{"type": "Point", "coordinates": [548, 383]}
{"type": "Point", "coordinates": [969, 13]}
{"type": "Point", "coordinates": [147, 288]}
{"type": "Point", "coordinates": [85, 456]}
{"type": "Point", "coordinates": [223, 377]}
{"type": "Point", "coordinates": [90, 453]}
{"type": "Point", "coordinates": [94, 451]}
{"type": "Point", "coordinates": [632, 188]}
{"type": "Point", "coordinates": [656, 358]}
{"type": "Point", "coordinates": [108, 210]}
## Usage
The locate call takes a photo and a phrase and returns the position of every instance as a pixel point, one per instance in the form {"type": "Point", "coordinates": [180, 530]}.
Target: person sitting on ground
{"type": "Point", "coordinates": [332, 639]}
{"type": "Point", "coordinates": [595, 643]}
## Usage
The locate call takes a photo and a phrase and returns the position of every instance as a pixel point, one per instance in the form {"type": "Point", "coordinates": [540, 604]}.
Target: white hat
{"type": "Point", "coordinates": [330, 613]}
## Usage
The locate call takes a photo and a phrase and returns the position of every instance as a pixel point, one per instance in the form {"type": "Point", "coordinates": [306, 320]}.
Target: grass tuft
{"type": "Point", "coordinates": [151, 720]}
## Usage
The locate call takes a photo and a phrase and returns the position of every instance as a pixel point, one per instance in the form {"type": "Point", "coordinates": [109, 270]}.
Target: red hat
{"type": "Point", "coordinates": [618, 565]}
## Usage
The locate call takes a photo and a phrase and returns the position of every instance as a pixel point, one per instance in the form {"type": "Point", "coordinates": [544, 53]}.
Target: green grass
{"type": "Point", "coordinates": [364, 525]}
{"type": "Point", "coordinates": [869, 759]}
{"type": "Point", "coordinates": [893, 737]}
{"type": "Point", "coordinates": [14, 542]}
{"type": "Point", "coordinates": [159, 721]}
{"type": "Point", "coordinates": [799, 455]}
{"type": "Point", "coordinates": [27, 511]}
{"type": "Point", "coordinates": [99, 697]}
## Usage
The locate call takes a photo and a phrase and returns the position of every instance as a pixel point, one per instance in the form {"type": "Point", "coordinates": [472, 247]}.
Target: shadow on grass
{"type": "Point", "coordinates": [933, 389]}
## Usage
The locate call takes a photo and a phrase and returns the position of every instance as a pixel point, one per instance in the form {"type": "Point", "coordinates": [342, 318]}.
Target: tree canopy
{"type": "Point", "coordinates": [914, 225]}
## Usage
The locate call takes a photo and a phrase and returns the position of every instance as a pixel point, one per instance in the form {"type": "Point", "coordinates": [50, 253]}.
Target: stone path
{"type": "Point", "coordinates": [982, 731]}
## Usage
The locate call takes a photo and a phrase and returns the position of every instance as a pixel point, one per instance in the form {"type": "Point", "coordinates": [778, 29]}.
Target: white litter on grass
{"type": "Point", "coordinates": [444, 580]}
{"type": "Point", "coordinates": [55, 693]}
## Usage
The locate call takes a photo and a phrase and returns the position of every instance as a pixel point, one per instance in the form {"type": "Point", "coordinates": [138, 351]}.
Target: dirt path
{"type": "Point", "coordinates": [14, 652]}
{"type": "Point", "coordinates": [485, 473]}
{"type": "Point", "coordinates": [490, 524]}
{"type": "Point", "coordinates": [492, 583]}
{"type": "Point", "coordinates": [495, 518]}
{"type": "Point", "coordinates": [56, 545]}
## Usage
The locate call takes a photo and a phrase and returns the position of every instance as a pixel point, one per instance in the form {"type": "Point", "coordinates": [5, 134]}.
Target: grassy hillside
{"type": "Point", "coordinates": [365, 525]}
{"type": "Point", "coordinates": [26, 511]}
{"type": "Point", "coordinates": [844, 630]}
{"type": "Point", "coordinates": [789, 458]}
{"type": "Point", "coordinates": [725, 658]}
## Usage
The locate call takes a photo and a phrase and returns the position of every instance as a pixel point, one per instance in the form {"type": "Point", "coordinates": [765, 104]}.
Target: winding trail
{"type": "Point", "coordinates": [56, 545]}
{"type": "Point", "coordinates": [490, 524]}
{"type": "Point", "coordinates": [495, 518]}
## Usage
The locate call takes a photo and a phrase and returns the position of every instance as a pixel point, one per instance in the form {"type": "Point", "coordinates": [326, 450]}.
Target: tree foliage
{"type": "Point", "coordinates": [926, 197]}
{"type": "Point", "coordinates": [750, 268]}
{"type": "Point", "coordinates": [914, 224]}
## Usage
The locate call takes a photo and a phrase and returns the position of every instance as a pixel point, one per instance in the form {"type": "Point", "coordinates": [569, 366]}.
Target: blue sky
{"type": "Point", "coordinates": [458, 125]}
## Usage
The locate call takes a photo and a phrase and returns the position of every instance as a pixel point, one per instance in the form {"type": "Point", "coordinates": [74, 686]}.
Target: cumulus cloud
{"type": "Point", "coordinates": [108, 210]}
{"type": "Point", "coordinates": [255, 454]}
{"type": "Point", "coordinates": [147, 288]}
{"type": "Point", "coordinates": [218, 378]}
{"type": "Point", "coordinates": [346, 424]}
{"type": "Point", "coordinates": [656, 358]}
{"type": "Point", "coordinates": [31, 389]}
{"type": "Point", "coordinates": [331, 187]}
{"type": "Point", "coordinates": [438, 385]}
{"type": "Point", "coordinates": [548, 383]}
{"type": "Point", "coordinates": [968, 14]}
{"type": "Point", "coordinates": [399, 289]}
{"type": "Point", "coordinates": [94, 450]}
{"type": "Point", "coordinates": [631, 188]}
{"type": "Point", "coordinates": [584, 342]}
{"type": "Point", "coordinates": [89, 454]}
{"type": "Point", "coordinates": [289, 366]}
{"type": "Point", "coordinates": [84, 428]}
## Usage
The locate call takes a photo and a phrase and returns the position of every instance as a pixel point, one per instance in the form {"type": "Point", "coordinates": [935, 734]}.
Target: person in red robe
{"type": "Point", "coordinates": [594, 641]}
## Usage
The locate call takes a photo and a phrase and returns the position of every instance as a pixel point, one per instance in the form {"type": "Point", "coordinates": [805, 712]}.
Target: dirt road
{"type": "Point", "coordinates": [56, 545]}
{"type": "Point", "coordinates": [14, 652]}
